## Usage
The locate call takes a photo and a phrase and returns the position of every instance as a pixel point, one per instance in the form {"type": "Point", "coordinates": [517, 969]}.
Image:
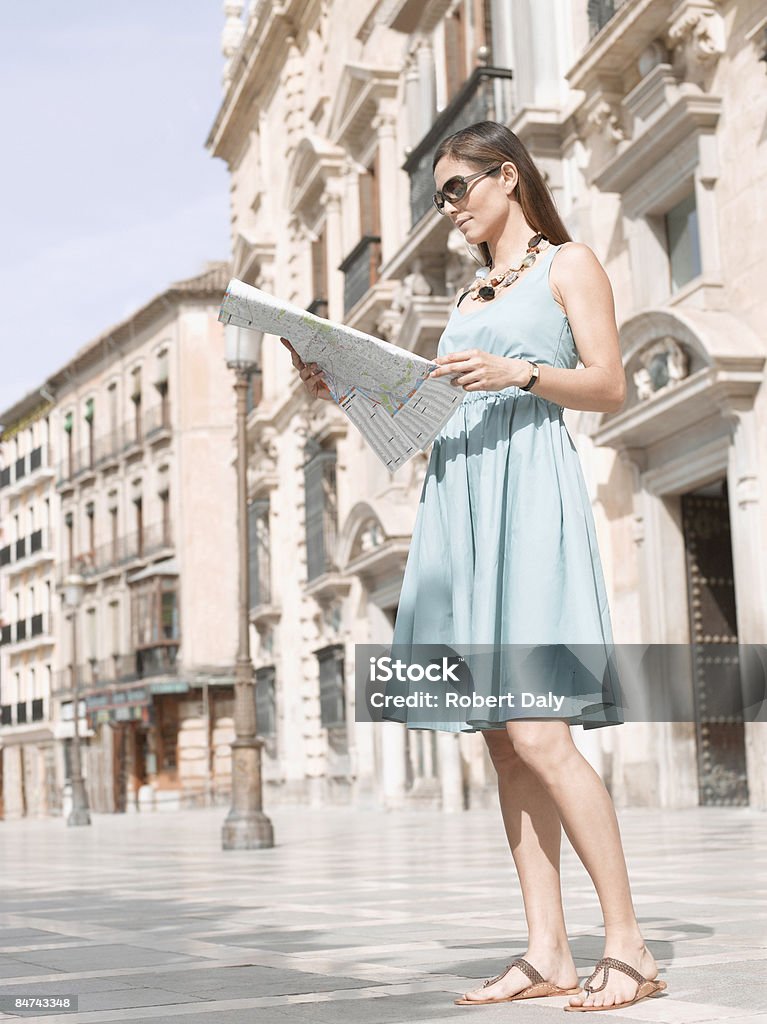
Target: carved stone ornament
{"type": "Point", "coordinates": [413, 283]}
{"type": "Point", "coordinates": [697, 38]}
{"type": "Point", "coordinates": [370, 536]}
{"type": "Point", "coordinates": [700, 29]}
{"type": "Point", "coordinates": [459, 265]}
{"type": "Point", "coordinates": [604, 118]}
{"type": "Point", "coordinates": [663, 364]}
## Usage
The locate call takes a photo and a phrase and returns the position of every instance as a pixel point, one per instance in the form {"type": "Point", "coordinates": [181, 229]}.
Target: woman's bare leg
{"type": "Point", "coordinates": [588, 817]}
{"type": "Point", "coordinates": [535, 836]}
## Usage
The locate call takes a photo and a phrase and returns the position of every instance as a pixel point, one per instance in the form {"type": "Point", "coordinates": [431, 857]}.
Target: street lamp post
{"type": "Point", "coordinates": [246, 826]}
{"type": "Point", "coordinates": [79, 814]}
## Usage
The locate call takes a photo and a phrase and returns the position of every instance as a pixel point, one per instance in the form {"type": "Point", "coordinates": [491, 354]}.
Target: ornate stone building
{"type": "Point", "coordinates": [634, 111]}
{"type": "Point", "coordinates": [120, 471]}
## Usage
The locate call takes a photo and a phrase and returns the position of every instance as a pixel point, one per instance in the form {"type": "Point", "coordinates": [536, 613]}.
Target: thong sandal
{"type": "Point", "coordinates": [539, 988]}
{"type": "Point", "coordinates": [645, 988]}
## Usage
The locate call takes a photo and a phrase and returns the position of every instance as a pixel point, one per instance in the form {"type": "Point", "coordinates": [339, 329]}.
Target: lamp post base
{"type": "Point", "coordinates": [80, 813]}
{"type": "Point", "coordinates": [79, 816]}
{"type": "Point", "coordinates": [249, 831]}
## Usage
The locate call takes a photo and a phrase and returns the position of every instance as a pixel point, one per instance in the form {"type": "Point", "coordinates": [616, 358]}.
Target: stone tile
{"type": "Point", "coordinates": [100, 957]}
{"type": "Point", "coordinates": [360, 916]}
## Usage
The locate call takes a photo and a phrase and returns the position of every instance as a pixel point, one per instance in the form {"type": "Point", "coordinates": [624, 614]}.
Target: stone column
{"type": "Point", "coordinates": [412, 100]}
{"type": "Point", "coordinates": [335, 254]}
{"type": "Point", "coordinates": [427, 105]}
{"type": "Point", "coordinates": [750, 583]}
{"type": "Point", "coordinates": [393, 763]}
{"type": "Point", "coordinates": [450, 772]}
{"type": "Point", "coordinates": [384, 125]}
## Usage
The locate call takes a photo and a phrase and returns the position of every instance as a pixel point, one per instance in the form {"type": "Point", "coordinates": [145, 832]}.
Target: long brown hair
{"type": "Point", "coordinates": [488, 142]}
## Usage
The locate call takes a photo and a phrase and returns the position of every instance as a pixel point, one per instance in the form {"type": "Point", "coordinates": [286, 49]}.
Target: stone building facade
{"type": "Point", "coordinates": [331, 110]}
{"type": "Point", "coordinates": [122, 474]}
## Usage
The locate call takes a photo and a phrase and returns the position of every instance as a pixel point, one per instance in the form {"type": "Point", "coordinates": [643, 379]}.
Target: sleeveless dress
{"type": "Point", "coordinates": [504, 547]}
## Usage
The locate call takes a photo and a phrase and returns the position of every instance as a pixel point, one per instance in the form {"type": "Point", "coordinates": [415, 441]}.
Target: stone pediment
{"type": "Point", "coordinates": [361, 89]}
{"type": "Point", "coordinates": [314, 163]}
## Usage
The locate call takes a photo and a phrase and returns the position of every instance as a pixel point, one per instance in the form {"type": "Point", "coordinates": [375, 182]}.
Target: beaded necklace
{"type": "Point", "coordinates": [484, 286]}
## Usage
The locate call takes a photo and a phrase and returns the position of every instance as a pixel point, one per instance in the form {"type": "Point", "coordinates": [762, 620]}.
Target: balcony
{"type": "Point", "coordinates": [360, 269]}
{"type": "Point", "coordinates": [157, 425]}
{"type": "Point", "coordinates": [119, 552]}
{"type": "Point", "coordinates": [94, 674]}
{"type": "Point", "coordinates": [25, 470]}
{"type": "Point", "coordinates": [27, 551]}
{"type": "Point", "coordinates": [27, 631]}
{"type": "Point", "coordinates": [486, 95]}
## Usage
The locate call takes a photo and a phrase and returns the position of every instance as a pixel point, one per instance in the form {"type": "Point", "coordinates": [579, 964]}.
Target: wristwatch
{"type": "Point", "coordinates": [533, 377]}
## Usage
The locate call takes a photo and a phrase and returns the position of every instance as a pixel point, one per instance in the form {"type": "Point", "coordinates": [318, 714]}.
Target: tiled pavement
{"type": "Point", "coordinates": [359, 916]}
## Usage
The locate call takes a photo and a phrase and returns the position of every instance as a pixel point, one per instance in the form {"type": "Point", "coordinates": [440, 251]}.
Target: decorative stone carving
{"type": "Point", "coordinates": [231, 37]}
{"type": "Point", "coordinates": [459, 265]}
{"type": "Point", "coordinates": [604, 118]}
{"type": "Point", "coordinates": [664, 364]}
{"type": "Point", "coordinates": [697, 35]}
{"type": "Point", "coordinates": [370, 536]}
{"type": "Point", "coordinates": [414, 283]}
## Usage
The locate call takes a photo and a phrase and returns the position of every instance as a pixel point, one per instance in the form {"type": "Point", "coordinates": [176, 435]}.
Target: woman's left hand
{"type": "Point", "coordinates": [480, 371]}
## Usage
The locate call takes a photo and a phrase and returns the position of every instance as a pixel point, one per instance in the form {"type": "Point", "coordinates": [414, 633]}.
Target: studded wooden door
{"type": "Point", "coordinates": [714, 634]}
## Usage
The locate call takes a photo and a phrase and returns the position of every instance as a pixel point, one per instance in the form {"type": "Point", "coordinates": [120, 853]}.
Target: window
{"type": "Point", "coordinates": [455, 52]}
{"type": "Point", "coordinates": [321, 513]}
{"type": "Point", "coordinates": [266, 717]}
{"type": "Point", "coordinates": [91, 635]}
{"type": "Point", "coordinates": [682, 242]}
{"type": "Point", "coordinates": [112, 403]}
{"type": "Point", "coordinates": [89, 413]}
{"type": "Point", "coordinates": [69, 523]}
{"type": "Point", "coordinates": [155, 625]}
{"type": "Point", "coordinates": [155, 612]}
{"type": "Point", "coordinates": [113, 535]}
{"type": "Point", "coordinates": [114, 627]}
{"type": "Point", "coordinates": [90, 513]}
{"type": "Point", "coordinates": [138, 505]}
{"type": "Point", "coordinates": [165, 506]}
{"type": "Point", "coordinates": [332, 699]}
{"type": "Point", "coordinates": [136, 399]}
{"type": "Point", "coordinates": [259, 552]}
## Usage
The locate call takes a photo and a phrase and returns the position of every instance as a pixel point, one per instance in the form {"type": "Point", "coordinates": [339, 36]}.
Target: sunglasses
{"type": "Point", "coordinates": [456, 188]}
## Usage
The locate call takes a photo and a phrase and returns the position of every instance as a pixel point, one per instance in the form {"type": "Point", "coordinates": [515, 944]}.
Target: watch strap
{"type": "Point", "coordinates": [533, 376]}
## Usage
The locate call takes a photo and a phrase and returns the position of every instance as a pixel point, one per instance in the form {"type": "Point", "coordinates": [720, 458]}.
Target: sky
{"type": "Point", "coordinates": [107, 193]}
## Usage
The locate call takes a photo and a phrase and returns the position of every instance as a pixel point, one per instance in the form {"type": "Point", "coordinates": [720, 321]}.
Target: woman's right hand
{"type": "Point", "coordinates": [311, 375]}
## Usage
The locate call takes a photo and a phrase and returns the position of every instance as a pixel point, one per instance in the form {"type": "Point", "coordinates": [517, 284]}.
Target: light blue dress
{"type": "Point", "coordinates": [504, 547]}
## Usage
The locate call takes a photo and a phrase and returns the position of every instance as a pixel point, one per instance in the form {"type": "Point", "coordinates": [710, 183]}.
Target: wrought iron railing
{"type": "Point", "coordinates": [360, 269]}
{"type": "Point", "coordinates": [485, 96]}
{"type": "Point", "coordinates": [139, 544]}
{"type": "Point", "coordinates": [600, 12]}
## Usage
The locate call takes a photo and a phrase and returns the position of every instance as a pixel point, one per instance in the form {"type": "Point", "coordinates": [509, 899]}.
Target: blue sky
{"type": "Point", "coordinates": [107, 193]}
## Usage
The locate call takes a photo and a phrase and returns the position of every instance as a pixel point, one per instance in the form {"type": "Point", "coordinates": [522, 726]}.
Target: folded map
{"type": "Point", "coordinates": [383, 389]}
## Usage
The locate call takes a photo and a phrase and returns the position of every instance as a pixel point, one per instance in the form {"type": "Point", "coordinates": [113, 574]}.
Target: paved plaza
{"type": "Point", "coordinates": [359, 916]}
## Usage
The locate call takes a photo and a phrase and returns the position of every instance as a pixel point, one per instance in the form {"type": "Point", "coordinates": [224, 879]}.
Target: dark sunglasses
{"type": "Point", "coordinates": [456, 188]}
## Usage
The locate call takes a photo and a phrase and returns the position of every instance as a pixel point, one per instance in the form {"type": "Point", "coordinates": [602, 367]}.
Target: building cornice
{"type": "Point", "coordinates": [258, 62]}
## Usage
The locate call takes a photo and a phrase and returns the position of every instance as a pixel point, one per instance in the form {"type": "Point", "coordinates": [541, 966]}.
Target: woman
{"type": "Point", "coordinates": [504, 548]}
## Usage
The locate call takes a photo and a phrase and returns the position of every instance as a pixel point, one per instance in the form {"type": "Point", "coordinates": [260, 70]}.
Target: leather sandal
{"type": "Point", "coordinates": [645, 988]}
{"type": "Point", "coordinates": [539, 988]}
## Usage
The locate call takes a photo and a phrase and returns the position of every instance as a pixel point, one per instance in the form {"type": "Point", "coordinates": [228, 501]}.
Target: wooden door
{"type": "Point", "coordinates": [714, 635]}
